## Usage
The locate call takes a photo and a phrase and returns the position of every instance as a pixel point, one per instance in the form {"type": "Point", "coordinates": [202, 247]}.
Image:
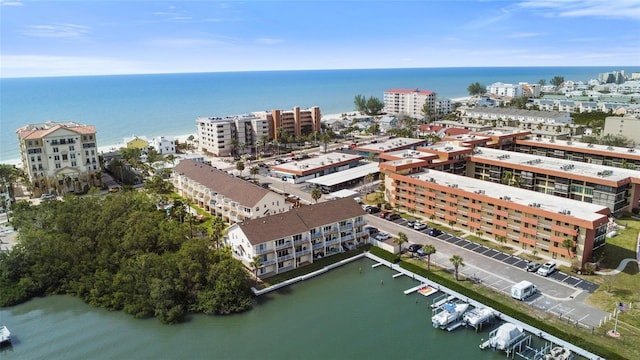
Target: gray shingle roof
{"type": "Point", "coordinates": [245, 193]}
{"type": "Point", "coordinates": [299, 220]}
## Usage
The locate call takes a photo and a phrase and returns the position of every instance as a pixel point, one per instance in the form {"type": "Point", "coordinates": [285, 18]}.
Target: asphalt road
{"type": "Point", "coordinates": [559, 294]}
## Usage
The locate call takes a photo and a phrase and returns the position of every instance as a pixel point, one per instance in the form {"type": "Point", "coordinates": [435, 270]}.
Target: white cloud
{"type": "Point", "coordinates": [56, 30]}
{"type": "Point", "coordinates": [10, 3]}
{"type": "Point", "coordinates": [184, 42]}
{"type": "Point", "coordinates": [523, 35]}
{"type": "Point", "coordinates": [580, 8]}
{"type": "Point", "coordinates": [269, 41]}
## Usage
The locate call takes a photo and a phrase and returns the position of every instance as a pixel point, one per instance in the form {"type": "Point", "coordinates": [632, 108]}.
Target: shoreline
{"type": "Point", "coordinates": [182, 138]}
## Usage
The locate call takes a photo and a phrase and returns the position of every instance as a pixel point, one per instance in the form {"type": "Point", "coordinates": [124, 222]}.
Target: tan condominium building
{"type": "Point", "coordinates": [410, 102]}
{"type": "Point", "coordinates": [225, 195]}
{"type": "Point", "coordinates": [627, 126]}
{"type": "Point", "coordinates": [296, 122]}
{"type": "Point", "coordinates": [60, 157]}
{"type": "Point", "coordinates": [558, 227]}
{"type": "Point", "coordinates": [616, 156]}
{"type": "Point", "coordinates": [298, 237]}
{"type": "Point", "coordinates": [616, 188]}
{"type": "Point", "coordinates": [231, 135]}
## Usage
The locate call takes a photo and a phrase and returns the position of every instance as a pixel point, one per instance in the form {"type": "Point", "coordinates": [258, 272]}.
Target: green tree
{"type": "Point", "coordinates": [8, 177]}
{"type": "Point", "coordinates": [216, 230]}
{"type": "Point", "coordinates": [502, 240]}
{"type": "Point", "coordinates": [325, 139]}
{"type": "Point", "coordinates": [557, 81]}
{"type": "Point", "coordinates": [253, 171]}
{"type": "Point", "coordinates": [542, 82]}
{"type": "Point", "coordinates": [256, 264]}
{"type": "Point", "coordinates": [451, 223]}
{"type": "Point", "coordinates": [157, 185]}
{"type": "Point", "coordinates": [361, 103]}
{"type": "Point", "coordinates": [170, 158]}
{"type": "Point", "coordinates": [429, 250]}
{"type": "Point", "coordinates": [234, 145]}
{"type": "Point", "coordinates": [316, 194]}
{"type": "Point", "coordinates": [371, 106]}
{"type": "Point", "coordinates": [240, 166]}
{"type": "Point", "coordinates": [476, 89]}
{"type": "Point", "coordinates": [400, 239]}
{"type": "Point", "coordinates": [456, 261]}
{"type": "Point", "coordinates": [568, 244]}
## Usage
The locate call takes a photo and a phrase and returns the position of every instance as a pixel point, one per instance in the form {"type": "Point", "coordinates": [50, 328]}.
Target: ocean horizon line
{"type": "Point", "coordinates": [310, 70]}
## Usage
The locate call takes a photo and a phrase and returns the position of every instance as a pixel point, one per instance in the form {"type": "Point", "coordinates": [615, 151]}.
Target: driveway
{"type": "Point", "coordinates": [560, 294]}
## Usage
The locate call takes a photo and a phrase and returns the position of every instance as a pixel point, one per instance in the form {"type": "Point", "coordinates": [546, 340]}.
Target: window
{"type": "Point", "coordinates": [72, 148]}
{"type": "Point", "coordinates": [55, 150]}
{"type": "Point", "coordinates": [73, 163]}
{"type": "Point", "coordinates": [65, 157]}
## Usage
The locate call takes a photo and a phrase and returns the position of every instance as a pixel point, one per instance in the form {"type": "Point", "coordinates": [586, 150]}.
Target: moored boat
{"type": "Point", "coordinates": [5, 335]}
{"type": "Point", "coordinates": [450, 312]}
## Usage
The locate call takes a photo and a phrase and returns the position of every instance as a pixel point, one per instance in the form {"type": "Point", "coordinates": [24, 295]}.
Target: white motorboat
{"type": "Point", "coordinates": [505, 336]}
{"type": "Point", "coordinates": [478, 316]}
{"type": "Point", "coordinates": [5, 335]}
{"type": "Point", "coordinates": [450, 312]}
{"type": "Point", "coordinates": [559, 353]}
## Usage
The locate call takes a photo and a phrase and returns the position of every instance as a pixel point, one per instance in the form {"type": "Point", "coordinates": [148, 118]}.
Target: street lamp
{"type": "Point", "coordinates": [621, 307]}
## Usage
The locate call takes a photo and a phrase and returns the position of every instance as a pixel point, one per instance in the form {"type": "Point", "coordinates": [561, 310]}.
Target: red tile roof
{"type": "Point", "coordinates": [408, 91]}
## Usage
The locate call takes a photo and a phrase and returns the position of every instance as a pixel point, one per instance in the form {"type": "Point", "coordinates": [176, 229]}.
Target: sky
{"type": "Point", "coordinates": [61, 38]}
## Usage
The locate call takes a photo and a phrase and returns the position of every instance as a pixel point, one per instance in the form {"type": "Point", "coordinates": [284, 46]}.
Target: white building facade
{"type": "Point", "coordinates": [239, 133]}
{"type": "Point", "coordinates": [164, 145]}
{"type": "Point", "coordinates": [294, 239]}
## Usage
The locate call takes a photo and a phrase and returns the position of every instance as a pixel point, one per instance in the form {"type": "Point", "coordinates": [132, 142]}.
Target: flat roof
{"type": "Point", "coordinates": [390, 144]}
{"type": "Point", "coordinates": [568, 167]}
{"type": "Point", "coordinates": [551, 203]}
{"type": "Point", "coordinates": [585, 147]}
{"type": "Point", "coordinates": [346, 175]}
{"type": "Point", "coordinates": [342, 194]}
{"type": "Point", "coordinates": [316, 163]}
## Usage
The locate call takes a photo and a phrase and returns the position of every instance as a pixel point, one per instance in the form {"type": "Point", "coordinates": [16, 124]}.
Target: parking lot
{"type": "Point", "coordinates": [560, 294]}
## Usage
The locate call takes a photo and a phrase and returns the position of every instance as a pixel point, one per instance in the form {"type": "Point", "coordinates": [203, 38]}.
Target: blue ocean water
{"type": "Point", "coordinates": [168, 104]}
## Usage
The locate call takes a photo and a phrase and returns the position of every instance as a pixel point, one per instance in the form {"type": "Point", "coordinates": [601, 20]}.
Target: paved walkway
{"type": "Point", "coordinates": [620, 268]}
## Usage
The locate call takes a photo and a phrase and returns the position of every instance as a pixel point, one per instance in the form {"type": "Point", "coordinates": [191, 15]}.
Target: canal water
{"type": "Point", "coordinates": [353, 312]}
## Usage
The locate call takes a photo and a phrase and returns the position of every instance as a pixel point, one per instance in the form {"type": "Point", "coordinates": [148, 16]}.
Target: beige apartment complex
{"type": "Point", "coordinates": [409, 101]}
{"type": "Point", "coordinates": [296, 122]}
{"type": "Point", "coordinates": [60, 157]}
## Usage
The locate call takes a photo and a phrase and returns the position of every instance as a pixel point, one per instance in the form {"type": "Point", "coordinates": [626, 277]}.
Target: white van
{"type": "Point", "coordinates": [523, 290]}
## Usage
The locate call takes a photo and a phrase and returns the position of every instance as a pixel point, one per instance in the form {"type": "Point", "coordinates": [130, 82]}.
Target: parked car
{"type": "Point", "coordinates": [392, 216]}
{"type": "Point", "coordinates": [47, 196]}
{"type": "Point", "coordinates": [547, 268]}
{"type": "Point", "coordinates": [372, 210]}
{"type": "Point", "coordinates": [414, 248]}
{"type": "Point", "coordinates": [533, 266]}
{"type": "Point", "coordinates": [371, 230]}
{"type": "Point", "coordinates": [384, 214]}
{"type": "Point", "coordinates": [421, 252]}
{"type": "Point", "coordinates": [419, 226]}
{"type": "Point", "coordinates": [410, 223]}
{"type": "Point", "coordinates": [435, 232]}
{"type": "Point", "coordinates": [382, 236]}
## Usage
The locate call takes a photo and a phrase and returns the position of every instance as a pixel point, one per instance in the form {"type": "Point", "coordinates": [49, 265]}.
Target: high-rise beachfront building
{"type": "Point", "coordinates": [295, 122]}
{"type": "Point", "coordinates": [409, 101]}
{"type": "Point", "coordinates": [59, 157]}
{"type": "Point", "coordinates": [231, 135]}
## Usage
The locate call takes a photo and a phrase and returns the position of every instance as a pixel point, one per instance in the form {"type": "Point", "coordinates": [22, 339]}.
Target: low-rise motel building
{"type": "Point", "coordinates": [372, 150]}
{"type": "Point", "coordinates": [521, 217]}
{"type": "Point", "coordinates": [296, 238]}
{"type": "Point", "coordinates": [225, 195]}
{"type": "Point", "coordinates": [59, 157]}
{"type": "Point", "coordinates": [579, 151]}
{"type": "Point", "coordinates": [298, 171]}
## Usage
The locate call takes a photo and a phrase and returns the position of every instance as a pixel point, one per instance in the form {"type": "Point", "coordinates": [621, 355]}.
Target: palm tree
{"type": "Point", "coordinates": [429, 250]}
{"type": "Point", "coordinates": [401, 239]}
{"type": "Point", "coordinates": [501, 239]}
{"type": "Point", "coordinates": [451, 223]}
{"type": "Point", "coordinates": [568, 244]}
{"type": "Point", "coordinates": [263, 141]}
{"type": "Point", "coordinates": [254, 171]}
{"type": "Point", "coordinates": [316, 194]}
{"type": "Point", "coordinates": [456, 261]}
{"type": "Point", "coordinates": [217, 227]}
{"type": "Point", "coordinates": [8, 176]}
{"type": "Point", "coordinates": [240, 167]}
{"type": "Point", "coordinates": [256, 263]}
{"type": "Point", "coordinates": [234, 146]}
{"type": "Point", "coordinates": [325, 139]}
{"type": "Point", "coordinates": [432, 218]}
